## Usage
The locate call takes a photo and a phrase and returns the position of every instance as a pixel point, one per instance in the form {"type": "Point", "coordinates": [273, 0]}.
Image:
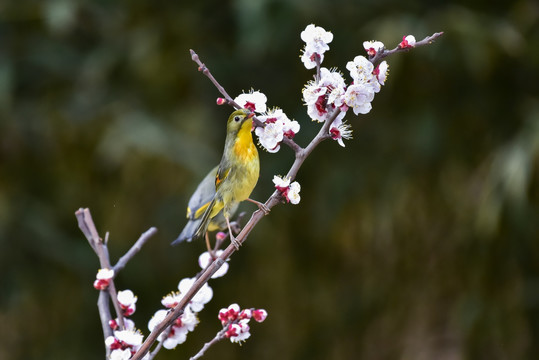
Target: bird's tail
{"type": "Point", "coordinates": [204, 220]}
{"type": "Point", "coordinates": [188, 232]}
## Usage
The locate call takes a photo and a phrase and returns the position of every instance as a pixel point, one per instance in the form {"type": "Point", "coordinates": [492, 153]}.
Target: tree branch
{"type": "Point", "coordinates": [300, 156]}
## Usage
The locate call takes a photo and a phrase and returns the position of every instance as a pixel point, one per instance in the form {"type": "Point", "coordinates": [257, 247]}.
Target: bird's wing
{"type": "Point", "coordinates": [221, 176]}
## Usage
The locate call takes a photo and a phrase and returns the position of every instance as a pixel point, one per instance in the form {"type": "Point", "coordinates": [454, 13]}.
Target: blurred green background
{"type": "Point", "coordinates": [419, 240]}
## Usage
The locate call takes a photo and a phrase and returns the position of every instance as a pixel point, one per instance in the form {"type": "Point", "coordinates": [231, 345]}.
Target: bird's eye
{"type": "Point", "coordinates": [237, 118]}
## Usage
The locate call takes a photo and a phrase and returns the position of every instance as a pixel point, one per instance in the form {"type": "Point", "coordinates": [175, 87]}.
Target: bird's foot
{"type": "Point", "coordinates": [235, 242]}
{"type": "Point", "coordinates": [261, 206]}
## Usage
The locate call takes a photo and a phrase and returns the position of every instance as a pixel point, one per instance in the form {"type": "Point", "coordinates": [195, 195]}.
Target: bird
{"type": "Point", "coordinates": [198, 202]}
{"type": "Point", "coordinates": [236, 176]}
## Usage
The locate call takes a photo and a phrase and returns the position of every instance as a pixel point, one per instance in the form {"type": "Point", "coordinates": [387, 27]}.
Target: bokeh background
{"type": "Point", "coordinates": [419, 240]}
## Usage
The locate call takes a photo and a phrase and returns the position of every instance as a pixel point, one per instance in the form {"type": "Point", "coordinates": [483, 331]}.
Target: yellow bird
{"type": "Point", "coordinates": [237, 174]}
{"type": "Point", "coordinates": [201, 198]}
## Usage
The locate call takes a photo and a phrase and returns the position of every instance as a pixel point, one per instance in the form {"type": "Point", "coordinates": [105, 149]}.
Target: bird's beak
{"type": "Point", "coordinates": [251, 114]}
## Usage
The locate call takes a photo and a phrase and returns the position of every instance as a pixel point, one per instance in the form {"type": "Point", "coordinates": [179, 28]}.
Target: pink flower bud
{"type": "Point", "coordinates": [260, 315]}
{"type": "Point", "coordinates": [220, 101]}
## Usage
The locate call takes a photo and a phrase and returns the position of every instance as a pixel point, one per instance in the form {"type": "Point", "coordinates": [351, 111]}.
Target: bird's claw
{"type": "Point", "coordinates": [264, 208]}
{"type": "Point", "coordinates": [235, 242]}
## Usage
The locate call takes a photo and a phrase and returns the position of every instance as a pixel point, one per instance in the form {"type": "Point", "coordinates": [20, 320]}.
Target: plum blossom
{"type": "Point", "coordinates": [254, 101]}
{"type": "Point", "coordinates": [120, 354]}
{"type": "Point", "coordinates": [381, 72]}
{"type": "Point", "coordinates": [202, 297]}
{"type": "Point", "coordinates": [316, 43]}
{"type": "Point", "coordinates": [177, 333]}
{"type": "Point", "coordinates": [235, 321]}
{"type": "Point", "coordinates": [324, 96]}
{"type": "Point", "coordinates": [359, 98]}
{"type": "Point", "coordinates": [277, 126]}
{"type": "Point", "coordinates": [407, 42]}
{"type": "Point", "coordinates": [127, 301]}
{"type": "Point", "coordinates": [206, 259]}
{"type": "Point", "coordinates": [373, 47]}
{"type": "Point", "coordinates": [339, 130]}
{"type": "Point", "coordinates": [290, 191]}
{"type": "Point", "coordinates": [238, 332]}
{"type": "Point", "coordinates": [259, 315]}
{"type": "Point", "coordinates": [103, 278]}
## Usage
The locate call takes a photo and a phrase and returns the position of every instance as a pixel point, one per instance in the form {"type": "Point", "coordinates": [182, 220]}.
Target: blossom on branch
{"type": "Point", "coordinates": [255, 101]}
{"type": "Point", "coordinates": [177, 333]}
{"type": "Point", "coordinates": [235, 321]}
{"type": "Point", "coordinates": [205, 259]}
{"type": "Point", "coordinates": [407, 42]}
{"type": "Point", "coordinates": [316, 43]}
{"type": "Point", "coordinates": [290, 191]}
{"type": "Point", "coordinates": [201, 298]}
{"type": "Point", "coordinates": [127, 301]}
{"type": "Point", "coordinates": [103, 278]}
{"type": "Point", "coordinates": [339, 131]}
{"type": "Point", "coordinates": [373, 47]}
{"type": "Point", "coordinates": [277, 127]}
{"type": "Point", "coordinates": [324, 96]}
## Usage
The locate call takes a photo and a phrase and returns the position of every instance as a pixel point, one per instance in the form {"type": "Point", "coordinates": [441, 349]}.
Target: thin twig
{"type": "Point", "coordinates": [220, 336]}
{"type": "Point", "coordinates": [134, 249]}
{"type": "Point", "coordinates": [382, 54]}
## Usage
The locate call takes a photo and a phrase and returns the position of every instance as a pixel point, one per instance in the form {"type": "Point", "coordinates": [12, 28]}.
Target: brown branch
{"type": "Point", "coordinates": [300, 156]}
{"type": "Point", "coordinates": [376, 59]}
{"type": "Point", "coordinates": [218, 337]}
{"type": "Point", "coordinates": [134, 249]}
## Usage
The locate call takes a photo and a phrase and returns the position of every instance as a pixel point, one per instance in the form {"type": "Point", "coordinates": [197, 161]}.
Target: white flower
{"type": "Point", "coordinates": [407, 42]}
{"type": "Point", "coordinates": [373, 47]}
{"type": "Point", "coordinates": [339, 130]}
{"type": "Point", "coordinates": [105, 274]}
{"type": "Point", "coordinates": [316, 39]}
{"type": "Point", "coordinates": [238, 332]}
{"type": "Point", "coordinates": [359, 98]}
{"type": "Point", "coordinates": [293, 193]}
{"type": "Point", "coordinates": [126, 298]}
{"type": "Point", "coordinates": [360, 70]}
{"type": "Point", "coordinates": [206, 259]}
{"type": "Point", "coordinates": [277, 126]}
{"type": "Point", "coordinates": [156, 319]}
{"type": "Point", "coordinates": [333, 81]}
{"type": "Point", "coordinates": [120, 354]}
{"type": "Point", "coordinates": [381, 72]}
{"type": "Point", "coordinates": [253, 100]}
{"type": "Point", "coordinates": [270, 136]}
{"type": "Point", "coordinates": [171, 300]}
{"type": "Point", "coordinates": [131, 337]}
{"type": "Point", "coordinates": [281, 183]}
{"type": "Point", "coordinates": [309, 59]}
{"type": "Point", "coordinates": [202, 297]}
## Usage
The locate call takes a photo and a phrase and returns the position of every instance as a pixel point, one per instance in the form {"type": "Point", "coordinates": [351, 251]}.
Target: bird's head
{"type": "Point", "coordinates": [239, 119]}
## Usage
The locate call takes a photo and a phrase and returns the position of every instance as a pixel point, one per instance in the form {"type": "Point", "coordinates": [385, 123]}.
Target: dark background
{"type": "Point", "coordinates": [419, 240]}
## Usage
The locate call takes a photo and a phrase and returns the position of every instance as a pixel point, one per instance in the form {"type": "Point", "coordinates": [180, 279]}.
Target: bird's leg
{"type": "Point", "coordinates": [233, 240]}
{"type": "Point", "coordinates": [210, 251]}
{"type": "Point", "coordinates": [261, 206]}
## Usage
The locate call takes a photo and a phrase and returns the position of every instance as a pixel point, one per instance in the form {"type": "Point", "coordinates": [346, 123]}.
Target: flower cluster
{"type": "Point", "coordinates": [276, 126]}
{"type": "Point", "coordinates": [289, 191]}
{"type": "Point", "coordinates": [177, 332]}
{"type": "Point", "coordinates": [126, 341]}
{"type": "Point", "coordinates": [103, 278]}
{"type": "Point", "coordinates": [235, 321]}
{"type": "Point", "coordinates": [124, 344]}
{"type": "Point", "coordinates": [329, 92]}
{"type": "Point", "coordinates": [316, 44]}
